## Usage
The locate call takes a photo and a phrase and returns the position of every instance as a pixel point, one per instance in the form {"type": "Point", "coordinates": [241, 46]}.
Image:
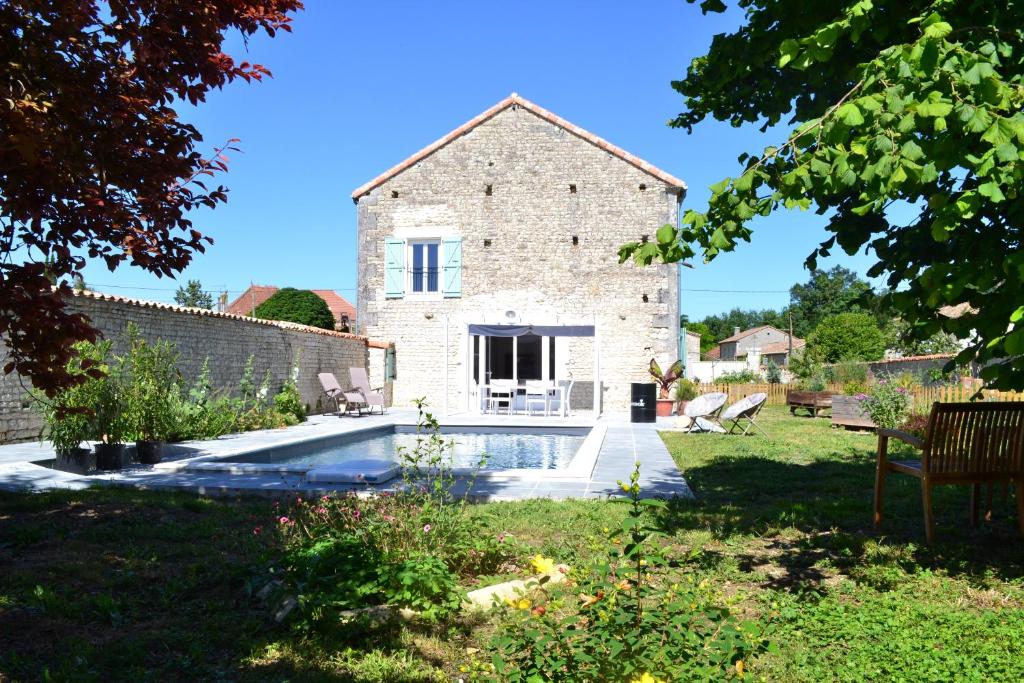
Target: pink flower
{"type": "Point", "coordinates": [257, 530]}
{"type": "Point", "coordinates": [357, 514]}
{"type": "Point", "coordinates": [325, 498]}
{"type": "Point", "coordinates": [322, 510]}
{"type": "Point", "coordinates": [283, 520]}
{"type": "Point", "coordinates": [426, 528]}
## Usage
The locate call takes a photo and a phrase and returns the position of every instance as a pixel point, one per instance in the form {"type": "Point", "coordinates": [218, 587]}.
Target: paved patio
{"type": "Point", "coordinates": [624, 444]}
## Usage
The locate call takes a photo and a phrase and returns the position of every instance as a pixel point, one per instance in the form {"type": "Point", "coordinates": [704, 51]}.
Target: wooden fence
{"type": "Point", "coordinates": [923, 396]}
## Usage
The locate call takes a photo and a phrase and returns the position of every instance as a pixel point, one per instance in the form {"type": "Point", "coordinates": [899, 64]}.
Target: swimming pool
{"type": "Point", "coordinates": [506, 448]}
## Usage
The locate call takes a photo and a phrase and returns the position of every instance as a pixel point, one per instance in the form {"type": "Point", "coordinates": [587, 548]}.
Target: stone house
{"type": "Point", "coordinates": [771, 342]}
{"type": "Point", "coordinates": [492, 254]}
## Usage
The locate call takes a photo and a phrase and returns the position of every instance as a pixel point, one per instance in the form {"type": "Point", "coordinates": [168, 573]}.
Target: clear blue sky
{"type": "Point", "coordinates": [359, 86]}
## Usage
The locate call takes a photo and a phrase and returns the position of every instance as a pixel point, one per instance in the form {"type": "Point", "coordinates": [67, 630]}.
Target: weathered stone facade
{"type": "Point", "coordinates": [541, 208]}
{"type": "Point", "coordinates": [226, 340]}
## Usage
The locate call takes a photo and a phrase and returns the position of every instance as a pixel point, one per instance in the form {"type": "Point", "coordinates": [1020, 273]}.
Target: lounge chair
{"type": "Point", "coordinates": [333, 391]}
{"type": "Point", "coordinates": [701, 414]}
{"type": "Point", "coordinates": [743, 414]}
{"type": "Point", "coordinates": [361, 383]}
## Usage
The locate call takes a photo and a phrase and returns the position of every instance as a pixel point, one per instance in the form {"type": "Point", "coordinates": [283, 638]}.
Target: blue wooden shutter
{"type": "Point", "coordinates": [394, 268]}
{"type": "Point", "coordinates": [452, 266]}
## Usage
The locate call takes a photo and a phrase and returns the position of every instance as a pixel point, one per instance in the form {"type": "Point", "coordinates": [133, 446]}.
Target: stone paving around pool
{"type": "Point", "coordinates": [194, 466]}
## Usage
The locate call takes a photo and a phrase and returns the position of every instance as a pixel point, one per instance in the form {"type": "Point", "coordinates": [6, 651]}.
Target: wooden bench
{"type": "Point", "coordinates": [811, 401]}
{"type": "Point", "coordinates": [966, 443]}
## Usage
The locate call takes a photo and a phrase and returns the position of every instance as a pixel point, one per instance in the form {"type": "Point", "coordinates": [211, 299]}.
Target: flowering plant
{"type": "Point", "coordinates": [629, 617]}
{"type": "Point", "coordinates": [887, 403]}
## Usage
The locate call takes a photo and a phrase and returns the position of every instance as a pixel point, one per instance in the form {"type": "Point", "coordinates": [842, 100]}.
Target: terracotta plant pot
{"type": "Point", "coordinates": [149, 452]}
{"type": "Point", "coordinates": [112, 456]}
{"type": "Point", "coordinates": [665, 407]}
{"type": "Point", "coordinates": [76, 460]}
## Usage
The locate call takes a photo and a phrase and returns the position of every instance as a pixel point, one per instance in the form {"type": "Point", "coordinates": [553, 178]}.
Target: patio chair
{"type": "Point", "coordinates": [361, 383]}
{"type": "Point", "coordinates": [565, 400]}
{"type": "Point", "coordinates": [743, 414]}
{"type": "Point", "coordinates": [538, 393]}
{"type": "Point", "coordinates": [701, 414]}
{"type": "Point", "coordinates": [333, 391]}
{"type": "Point", "coordinates": [501, 391]}
{"type": "Point", "coordinates": [965, 443]}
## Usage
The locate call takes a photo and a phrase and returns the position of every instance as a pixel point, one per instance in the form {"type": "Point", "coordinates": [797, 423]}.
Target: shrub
{"type": "Point", "coordinates": [406, 549]}
{"type": "Point", "coordinates": [68, 416]}
{"type": "Point", "coordinates": [627, 617]}
{"type": "Point", "coordinates": [297, 306]}
{"type": "Point", "coordinates": [685, 390]}
{"type": "Point", "coordinates": [887, 403]}
{"type": "Point", "coordinates": [739, 377]}
{"type": "Point", "coordinates": [772, 373]}
{"type": "Point", "coordinates": [846, 336]}
{"type": "Point", "coordinates": [288, 401]}
{"type": "Point", "coordinates": [841, 373]}
{"type": "Point", "coordinates": [151, 377]}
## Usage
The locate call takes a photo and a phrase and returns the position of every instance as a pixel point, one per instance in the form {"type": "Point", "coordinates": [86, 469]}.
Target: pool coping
{"type": "Point", "coordinates": [607, 456]}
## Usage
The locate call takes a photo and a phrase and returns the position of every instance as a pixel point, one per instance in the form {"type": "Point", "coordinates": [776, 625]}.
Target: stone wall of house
{"type": "Point", "coordinates": [377, 371]}
{"type": "Point", "coordinates": [541, 213]}
{"type": "Point", "coordinates": [226, 341]}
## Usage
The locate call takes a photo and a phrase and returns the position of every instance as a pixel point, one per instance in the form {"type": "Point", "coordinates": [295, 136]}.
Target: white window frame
{"type": "Point", "coordinates": [424, 295]}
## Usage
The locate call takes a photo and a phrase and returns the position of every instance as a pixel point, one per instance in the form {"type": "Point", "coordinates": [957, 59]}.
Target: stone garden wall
{"type": "Point", "coordinates": [226, 340]}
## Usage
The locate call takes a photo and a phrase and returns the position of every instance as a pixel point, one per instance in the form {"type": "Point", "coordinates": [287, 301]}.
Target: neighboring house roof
{"type": "Point", "coordinates": [693, 334]}
{"type": "Point", "coordinates": [516, 100]}
{"type": "Point", "coordinates": [257, 294]}
{"type": "Point", "coordinates": [340, 307]}
{"type": "Point", "coordinates": [782, 347]}
{"type": "Point", "coordinates": [747, 333]}
{"type": "Point", "coordinates": [283, 324]}
{"type": "Point", "coordinates": [904, 359]}
{"type": "Point", "coordinates": [714, 354]}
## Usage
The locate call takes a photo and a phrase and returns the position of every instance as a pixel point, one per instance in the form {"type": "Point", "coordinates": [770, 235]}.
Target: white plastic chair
{"type": "Point", "coordinates": [538, 392]}
{"type": "Point", "coordinates": [501, 391]}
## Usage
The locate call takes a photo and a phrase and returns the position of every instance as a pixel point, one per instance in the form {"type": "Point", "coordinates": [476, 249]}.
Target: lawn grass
{"type": "Point", "coordinates": [115, 584]}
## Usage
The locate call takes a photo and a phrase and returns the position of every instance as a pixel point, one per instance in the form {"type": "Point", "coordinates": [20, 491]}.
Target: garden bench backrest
{"type": "Point", "coordinates": [975, 439]}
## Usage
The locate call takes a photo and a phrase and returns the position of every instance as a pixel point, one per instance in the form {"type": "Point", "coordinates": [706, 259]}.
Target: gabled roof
{"type": "Point", "coordinates": [257, 294]}
{"type": "Point", "coordinates": [747, 333]}
{"type": "Point", "coordinates": [516, 100]}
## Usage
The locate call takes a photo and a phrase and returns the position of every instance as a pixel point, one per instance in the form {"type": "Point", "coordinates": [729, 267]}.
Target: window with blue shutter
{"type": "Point", "coordinates": [452, 266]}
{"type": "Point", "coordinates": [394, 268]}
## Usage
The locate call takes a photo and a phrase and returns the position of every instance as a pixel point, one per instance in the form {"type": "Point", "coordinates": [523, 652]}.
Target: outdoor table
{"type": "Point", "coordinates": [554, 391]}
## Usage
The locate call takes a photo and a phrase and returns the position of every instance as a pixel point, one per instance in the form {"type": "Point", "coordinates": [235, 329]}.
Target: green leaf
{"type": "Point", "coordinates": [666, 234]}
{"type": "Point", "coordinates": [850, 114]}
{"type": "Point", "coordinates": [992, 191]}
{"type": "Point", "coordinates": [719, 240]}
{"type": "Point", "coordinates": [1014, 342]}
{"type": "Point", "coordinates": [788, 51]}
{"type": "Point", "coordinates": [938, 30]}
{"type": "Point", "coordinates": [1017, 315]}
{"type": "Point", "coordinates": [1007, 152]}
{"type": "Point", "coordinates": [934, 108]}
{"type": "Point", "coordinates": [719, 187]}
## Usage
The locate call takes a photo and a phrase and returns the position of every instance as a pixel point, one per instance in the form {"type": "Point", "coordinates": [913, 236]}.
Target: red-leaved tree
{"type": "Point", "coordinates": [94, 161]}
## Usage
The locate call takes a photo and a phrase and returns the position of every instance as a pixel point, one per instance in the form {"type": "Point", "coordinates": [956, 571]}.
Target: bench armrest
{"type": "Point", "coordinates": [902, 436]}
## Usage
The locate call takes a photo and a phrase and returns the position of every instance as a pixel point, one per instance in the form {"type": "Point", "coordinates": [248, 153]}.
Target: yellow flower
{"type": "Point", "coordinates": [739, 668]}
{"type": "Point", "coordinates": [523, 603]}
{"type": "Point", "coordinates": [511, 602]}
{"type": "Point", "coordinates": [647, 678]}
{"type": "Point", "coordinates": [542, 565]}
{"type": "Point", "coordinates": [626, 488]}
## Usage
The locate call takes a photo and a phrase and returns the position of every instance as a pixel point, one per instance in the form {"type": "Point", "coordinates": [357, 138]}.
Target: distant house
{"type": "Point", "coordinates": [771, 342]}
{"type": "Point", "coordinates": [344, 313]}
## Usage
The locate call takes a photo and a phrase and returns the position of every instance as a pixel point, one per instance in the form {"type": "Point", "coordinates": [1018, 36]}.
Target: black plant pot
{"type": "Point", "coordinates": [149, 452]}
{"type": "Point", "coordinates": [112, 456]}
{"type": "Point", "coordinates": [76, 460]}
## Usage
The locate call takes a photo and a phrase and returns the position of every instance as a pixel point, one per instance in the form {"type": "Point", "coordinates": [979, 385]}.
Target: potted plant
{"type": "Point", "coordinates": [686, 391]}
{"type": "Point", "coordinates": [151, 378]}
{"type": "Point", "coordinates": [665, 380]}
{"type": "Point", "coordinates": [108, 424]}
{"type": "Point", "coordinates": [66, 427]}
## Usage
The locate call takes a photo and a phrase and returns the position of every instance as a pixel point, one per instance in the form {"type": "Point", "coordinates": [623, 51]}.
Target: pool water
{"type": "Point", "coordinates": [504, 450]}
